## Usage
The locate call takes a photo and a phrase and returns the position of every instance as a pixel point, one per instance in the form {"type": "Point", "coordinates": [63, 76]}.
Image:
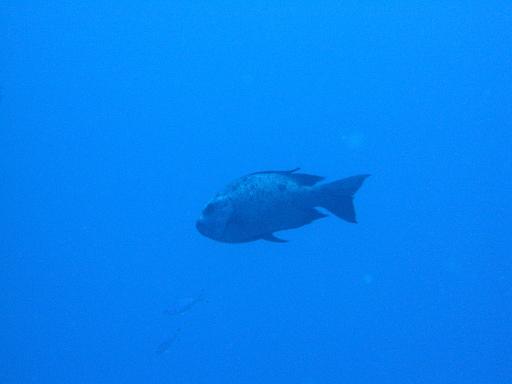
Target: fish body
{"type": "Point", "coordinates": [257, 205]}
{"type": "Point", "coordinates": [184, 305]}
{"type": "Point", "coordinates": [165, 345]}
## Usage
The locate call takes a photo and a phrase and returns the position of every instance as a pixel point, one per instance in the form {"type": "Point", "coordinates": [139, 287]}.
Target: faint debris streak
{"type": "Point", "coordinates": [165, 345]}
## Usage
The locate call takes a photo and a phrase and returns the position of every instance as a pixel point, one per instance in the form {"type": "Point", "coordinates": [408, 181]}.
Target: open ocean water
{"type": "Point", "coordinates": [119, 122]}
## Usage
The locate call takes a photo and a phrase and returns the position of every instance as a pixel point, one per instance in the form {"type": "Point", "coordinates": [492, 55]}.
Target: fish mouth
{"type": "Point", "coordinates": [201, 227]}
{"type": "Point", "coordinates": [205, 229]}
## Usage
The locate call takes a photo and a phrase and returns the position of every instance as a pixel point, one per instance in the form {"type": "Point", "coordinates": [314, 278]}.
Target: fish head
{"type": "Point", "coordinates": [215, 217]}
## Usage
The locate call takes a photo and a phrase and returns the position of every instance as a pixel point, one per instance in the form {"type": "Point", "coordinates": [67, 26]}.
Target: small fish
{"type": "Point", "coordinates": [165, 345]}
{"type": "Point", "coordinates": [257, 205]}
{"type": "Point", "coordinates": [184, 305]}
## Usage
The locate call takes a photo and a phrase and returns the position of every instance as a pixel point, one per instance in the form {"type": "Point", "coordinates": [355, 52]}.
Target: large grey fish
{"type": "Point", "coordinates": [257, 205]}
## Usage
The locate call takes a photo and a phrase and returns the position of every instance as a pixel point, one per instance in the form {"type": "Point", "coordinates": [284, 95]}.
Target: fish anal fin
{"type": "Point", "coordinates": [314, 214]}
{"type": "Point", "coordinates": [273, 238]}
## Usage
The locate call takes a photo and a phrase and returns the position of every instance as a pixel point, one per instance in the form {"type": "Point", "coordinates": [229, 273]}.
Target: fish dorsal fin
{"type": "Point", "coordinates": [305, 179]}
{"type": "Point", "coordinates": [278, 172]}
{"type": "Point", "coordinates": [273, 238]}
{"type": "Point", "coordinates": [299, 178]}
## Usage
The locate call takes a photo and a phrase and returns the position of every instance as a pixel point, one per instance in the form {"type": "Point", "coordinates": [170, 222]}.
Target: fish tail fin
{"type": "Point", "coordinates": [337, 197]}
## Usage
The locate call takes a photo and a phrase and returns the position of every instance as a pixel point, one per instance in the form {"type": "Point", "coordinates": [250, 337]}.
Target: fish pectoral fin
{"type": "Point", "coordinates": [273, 238]}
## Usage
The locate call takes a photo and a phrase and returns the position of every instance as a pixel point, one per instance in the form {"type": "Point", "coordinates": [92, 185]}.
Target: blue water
{"type": "Point", "coordinates": [119, 122]}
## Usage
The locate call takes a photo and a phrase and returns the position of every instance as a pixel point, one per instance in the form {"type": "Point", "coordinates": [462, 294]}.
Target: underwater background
{"type": "Point", "coordinates": [118, 122]}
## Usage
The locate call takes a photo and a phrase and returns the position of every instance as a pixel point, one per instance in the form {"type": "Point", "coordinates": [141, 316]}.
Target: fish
{"type": "Point", "coordinates": [181, 306]}
{"type": "Point", "coordinates": [255, 206]}
{"type": "Point", "coordinates": [165, 345]}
